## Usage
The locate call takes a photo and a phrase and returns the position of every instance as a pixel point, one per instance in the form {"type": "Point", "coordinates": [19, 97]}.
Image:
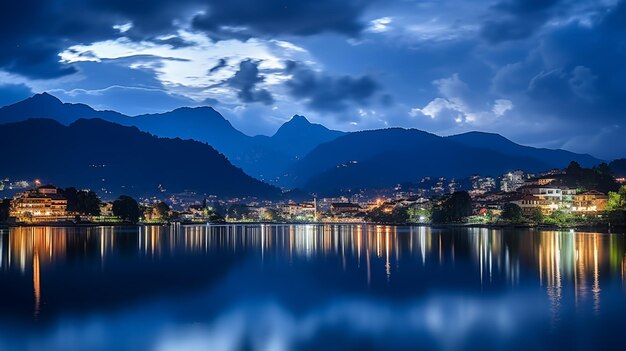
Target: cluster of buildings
{"type": "Point", "coordinates": [39, 205]}
{"type": "Point", "coordinates": [546, 193]}
{"type": "Point", "coordinates": [46, 204]}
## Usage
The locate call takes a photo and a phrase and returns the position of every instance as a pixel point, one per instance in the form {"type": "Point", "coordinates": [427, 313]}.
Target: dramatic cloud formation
{"type": "Point", "coordinates": [246, 80]}
{"type": "Point", "coordinates": [517, 19]}
{"type": "Point", "coordinates": [327, 93]}
{"type": "Point", "coordinates": [254, 18]}
{"type": "Point", "coordinates": [543, 72]}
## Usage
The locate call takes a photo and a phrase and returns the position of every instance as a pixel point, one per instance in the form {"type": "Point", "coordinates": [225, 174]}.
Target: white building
{"type": "Point", "coordinates": [512, 181]}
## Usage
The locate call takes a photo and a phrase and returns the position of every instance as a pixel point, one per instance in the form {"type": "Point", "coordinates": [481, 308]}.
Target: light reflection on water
{"type": "Point", "coordinates": [282, 287]}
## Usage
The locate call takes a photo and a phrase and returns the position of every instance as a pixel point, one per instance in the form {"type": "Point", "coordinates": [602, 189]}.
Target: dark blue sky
{"type": "Point", "coordinates": [541, 72]}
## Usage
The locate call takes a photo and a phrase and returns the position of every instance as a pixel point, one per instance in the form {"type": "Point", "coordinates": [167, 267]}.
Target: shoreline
{"type": "Point", "coordinates": [605, 228]}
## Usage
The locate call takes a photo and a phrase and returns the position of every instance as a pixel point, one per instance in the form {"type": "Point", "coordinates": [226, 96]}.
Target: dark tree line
{"type": "Point", "coordinates": [5, 206]}
{"type": "Point", "coordinates": [598, 178]}
{"type": "Point", "coordinates": [398, 215]}
{"type": "Point", "coordinates": [453, 208]}
{"type": "Point", "coordinates": [85, 202]}
{"type": "Point", "coordinates": [127, 209]}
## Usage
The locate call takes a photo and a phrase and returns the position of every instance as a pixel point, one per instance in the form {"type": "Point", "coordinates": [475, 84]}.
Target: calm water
{"type": "Point", "coordinates": [308, 287]}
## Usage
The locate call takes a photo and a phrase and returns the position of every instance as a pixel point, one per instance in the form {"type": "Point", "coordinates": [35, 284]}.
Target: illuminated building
{"type": "Point", "coordinates": [299, 211]}
{"type": "Point", "coordinates": [590, 202]}
{"type": "Point", "coordinates": [342, 208]}
{"type": "Point", "coordinates": [529, 202]}
{"type": "Point", "coordinates": [512, 181]}
{"type": "Point", "coordinates": [553, 197]}
{"type": "Point", "coordinates": [40, 205]}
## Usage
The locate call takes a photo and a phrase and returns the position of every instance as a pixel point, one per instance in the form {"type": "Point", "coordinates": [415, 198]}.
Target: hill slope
{"type": "Point", "coordinates": [298, 136]}
{"type": "Point", "coordinates": [101, 155]}
{"type": "Point", "coordinates": [496, 142]}
{"type": "Point", "coordinates": [389, 156]}
{"type": "Point", "coordinates": [262, 157]}
{"type": "Point", "coordinates": [618, 167]}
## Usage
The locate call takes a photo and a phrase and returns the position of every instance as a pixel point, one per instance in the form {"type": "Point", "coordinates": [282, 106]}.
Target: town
{"type": "Point", "coordinates": [574, 196]}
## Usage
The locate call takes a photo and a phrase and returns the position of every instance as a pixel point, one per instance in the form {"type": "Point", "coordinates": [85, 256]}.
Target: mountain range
{"type": "Point", "coordinates": [299, 155]}
{"type": "Point", "coordinates": [384, 157]}
{"type": "Point", "coordinates": [114, 159]}
{"type": "Point", "coordinates": [260, 156]}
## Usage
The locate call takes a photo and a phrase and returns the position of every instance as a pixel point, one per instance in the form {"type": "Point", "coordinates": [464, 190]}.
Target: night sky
{"type": "Point", "coordinates": [545, 73]}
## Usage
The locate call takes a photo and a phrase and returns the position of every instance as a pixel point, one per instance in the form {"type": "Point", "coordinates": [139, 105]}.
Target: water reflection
{"type": "Point", "coordinates": [559, 257]}
{"type": "Point", "coordinates": [109, 266]}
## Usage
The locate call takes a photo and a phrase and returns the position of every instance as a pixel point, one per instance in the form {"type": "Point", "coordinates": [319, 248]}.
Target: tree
{"type": "Point", "coordinates": [511, 212]}
{"type": "Point", "coordinates": [559, 218]}
{"type": "Point", "coordinates": [126, 208]}
{"type": "Point", "coordinates": [272, 215]}
{"type": "Point", "coordinates": [453, 208]}
{"type": "Point", "coordinates": [419, 215]}
{"type": "Point", "coordinates": [536, 215]}
{"type": "Point", "coordinates": [214, 216]}
{"type": "Point", "coordinates": [81, 201]}
{"type": "Point", "coordinates": [238, 211]}
{"type": "Point", "coordinates": [386, 214]}
{"type": "Point", "coordinates": [71, 195]}
{"type": "Point", "coordinates": [617, 200]}
{"type": "Point", "coordinates": [88, 203]}
{"type": "Point", "coordinates": [597, 178]}
{"type": "Point", "coordinates": [5, 206]}
{"type": "Point", "coordinates": [162, 210]}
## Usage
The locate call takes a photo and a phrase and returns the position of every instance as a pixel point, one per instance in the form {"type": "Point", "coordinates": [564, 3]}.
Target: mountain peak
{"type": "Point", "coordinates": [298, 119]}
{"type": "Point", "coordinates": [45, 98]}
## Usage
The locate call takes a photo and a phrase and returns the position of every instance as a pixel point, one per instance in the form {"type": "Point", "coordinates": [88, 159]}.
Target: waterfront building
{"type": "Point", "coordinates": [304, 211]}
{"type": "Point", "coordinates": [590, 202]}
{"type": "Point", "coordinates": [40, 205]}
{"type": "Point", "coordinates": [555, 197]}
{"type": "Point", "coordinates": [344, 208]}
{"type": "Point", "coordinates": [530, 202]}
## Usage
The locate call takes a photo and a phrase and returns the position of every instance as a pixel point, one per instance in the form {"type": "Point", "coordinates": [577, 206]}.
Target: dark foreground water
{"type": "Point", "coordinates": [309, 287]}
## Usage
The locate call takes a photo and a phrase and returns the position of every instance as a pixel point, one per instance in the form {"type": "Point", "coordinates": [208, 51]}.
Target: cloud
{"type": "Point", "coordinates": [221, 63]}
{"type": "Point", "coordinates": [185, 70]}
{"type": "Point", "coordinates": [246, 81]}
{"type": "Point", "coordinates": [380, 25]}
{"type": "Point", "coordinates": [255, 18]}
{"type": "Point", "coordinates": [459, 106]}
{"type": "Point", "coordinates": [326, 93]}
{"type": "Point", "coordinates": [127, 100]}
{"type": "Point", "coordinates": [36, 31]}
{"type": "Point", "coordinates": [517, 19]}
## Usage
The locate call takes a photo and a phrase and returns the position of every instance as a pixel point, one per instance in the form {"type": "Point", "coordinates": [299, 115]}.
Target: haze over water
{"type": "Point", "coordinates": [309, 287]}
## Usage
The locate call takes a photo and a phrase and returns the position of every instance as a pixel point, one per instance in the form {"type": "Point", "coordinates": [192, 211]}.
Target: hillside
{"type": "Point", "coordinates": [262, 157]}
{"type": "Point", "coordinates": [105, 156]}
{"type": "Point", "coordinates": [389, 156]}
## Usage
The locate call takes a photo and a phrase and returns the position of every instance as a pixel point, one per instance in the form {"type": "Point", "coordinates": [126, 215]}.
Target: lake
{"type": "Point", "coordinates": [310, 287]}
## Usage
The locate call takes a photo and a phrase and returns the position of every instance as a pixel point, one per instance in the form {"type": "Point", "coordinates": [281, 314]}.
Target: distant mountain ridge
{"type": "Point", "coordinates": [302, 136]}
{"type": "Point", "coordinates": [261, 157]}
{"type": "Point", "coordinates": [313, 157]}
{"type": "Point", "coordinates": [45, 105]}
{"type": "Point", "coordinates": [385, 157]}
{"type": "Point", "coordinates": [108, 157]}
